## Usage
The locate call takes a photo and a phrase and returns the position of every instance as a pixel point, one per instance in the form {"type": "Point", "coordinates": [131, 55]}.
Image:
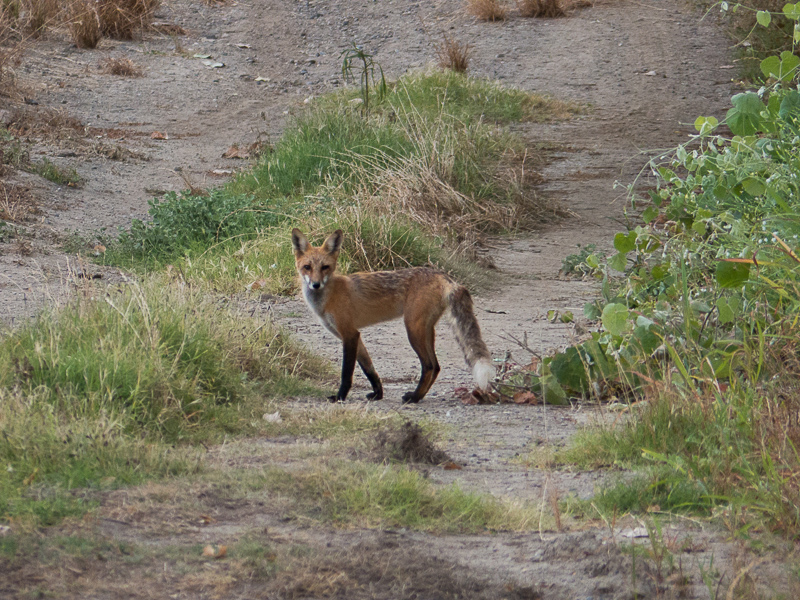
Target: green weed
{"type": "Point", "coordinates": [54, 173]}
{"type": "Point", "coordinates": [394, 496]}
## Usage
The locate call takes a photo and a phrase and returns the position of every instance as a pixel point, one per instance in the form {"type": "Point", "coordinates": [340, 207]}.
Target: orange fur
{"type": "Point", "coordinates": [346, 304]}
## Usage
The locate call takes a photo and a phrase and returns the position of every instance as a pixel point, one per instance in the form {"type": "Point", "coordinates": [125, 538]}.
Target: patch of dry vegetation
{"type": "Point", "coordinates": [547, 9]}
{"type": "Point", "coordinates": [452, 54]}
{"type": "Point", "coordinates": [83, 22]}
{"type": "Point", "coordinates": [487, 10]}
{"type": "Point", "coordinates": [122, 67]}
{"type": "Point", "coordinates": [17, 204]}
{"type": "Point", "coordinates": [40, 15]}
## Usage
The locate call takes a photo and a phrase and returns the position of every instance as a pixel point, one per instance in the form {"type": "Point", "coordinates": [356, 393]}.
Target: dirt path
{"type": "Point", "coordinates": [646, 69]}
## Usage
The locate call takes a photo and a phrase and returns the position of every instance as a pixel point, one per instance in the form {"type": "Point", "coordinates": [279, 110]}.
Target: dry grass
{"type": "Point", "coordinates": [83, 22]}
{"type": "Point", "coordinates": [452, 54]}
{"type": "Point", "coordinates": [44, 123]}
{"type": "Point", "coordinates": [40, 14]}
{"type": "Point", "coordinates": [487, 10]}
{"type": "Point", "coordinates": [123, 67]}
{"type": "Point", "coordinates": [17, 204]}
{"type": "Point", "coordinates": [11, 46]}
{"type": "Point", "coordinates": [122, 19]}
{"type": "Point", "coordinates": [546, 9]}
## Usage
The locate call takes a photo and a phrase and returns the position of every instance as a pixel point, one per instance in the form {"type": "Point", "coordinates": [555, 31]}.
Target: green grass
{"type": "Point", "coordinates": [95, 393]}
{"type": "Point", "coordinates": [734, 453]}
{"type": "Point", "coordinates": [431, 168]}
{"type": "Point", "coordinates": [52, 172]}
{"type": "Point", "coordinates": [366, 495]}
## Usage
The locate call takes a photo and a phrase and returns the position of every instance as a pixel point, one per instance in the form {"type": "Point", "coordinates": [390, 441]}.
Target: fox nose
{"type": "Point", "coordinates": [316, 285]}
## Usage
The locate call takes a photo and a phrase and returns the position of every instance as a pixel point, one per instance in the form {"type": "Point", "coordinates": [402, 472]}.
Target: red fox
{"type": "Point", "coordinates": [345, 304]}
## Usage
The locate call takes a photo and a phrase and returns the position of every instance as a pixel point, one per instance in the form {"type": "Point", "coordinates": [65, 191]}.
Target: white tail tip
{"type": "Point", "coordinates": [483, 373]}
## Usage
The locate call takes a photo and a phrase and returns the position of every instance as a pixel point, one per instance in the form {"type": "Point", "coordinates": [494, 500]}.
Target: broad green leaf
{"type": "Point", "coordinates": [567, 317]}
{"type": "Point", "coordinates": [647, 340]}
{"type": "Point", "coordinates": [781, 68]}
{"type": "Point", "coordinates": [552, 392]}
{"type": "Point", "coordinates": [615, 319]}
{"type": "Point", "coordinates": [570, 371]}
{"type": "Point", "coordinates": [732, 274]}
{"type": "Point", "coordinates": [619, 262]}
{"type": "Point", "coordinates": [590, 311]}
{"type": "Point", "coordinates": [705, 124]}
{"type": "Point", "coordinates": [699, 227]}
{"type": "Point", "coordinates": [763, 18]}
{"type": "Point", "coordinates": [745, 116]}
{"type": "Point", "coordinates": [753, 186]}
{"type": "Point", "coordinates": [790, 105]}
{"type": "Point", "coordinates": [726, 314]}
{"type": "Point", "coordinates": [650, 213]}
{"type": "Point", "coordinates": [792, 11]}
{"type": "Point", "coordinates": [625, 242]}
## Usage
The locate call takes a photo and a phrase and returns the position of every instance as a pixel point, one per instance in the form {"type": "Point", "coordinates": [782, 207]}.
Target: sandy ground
{"type": "Point", "coordinates": [646, 70]}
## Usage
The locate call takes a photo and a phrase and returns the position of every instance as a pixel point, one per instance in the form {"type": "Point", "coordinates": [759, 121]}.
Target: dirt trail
{"type": "Point", "coordinates": [646, 69]}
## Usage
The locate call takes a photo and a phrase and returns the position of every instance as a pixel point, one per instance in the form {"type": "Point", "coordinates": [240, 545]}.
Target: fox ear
{"type": "Point", "coordinates": [299, 242]}
{"type": "Point", "coordinates": [334, 242]}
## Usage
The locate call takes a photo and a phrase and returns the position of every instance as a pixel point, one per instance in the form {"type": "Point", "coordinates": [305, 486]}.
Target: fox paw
{"type": "Point", "coordinates": [335, 398]}
{"type": "Point", "coordinates": [375, 395]}
{"type": "Point", "coordinates": [409, 398]}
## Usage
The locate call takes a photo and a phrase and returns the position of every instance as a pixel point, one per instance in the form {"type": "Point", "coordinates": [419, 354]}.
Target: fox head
{"type": "Point", "coordinates": [316, 265]}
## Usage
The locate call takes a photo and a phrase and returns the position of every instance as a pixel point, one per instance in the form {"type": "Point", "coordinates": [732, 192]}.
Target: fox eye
{"type": "Point", "coordinates": [306, 267]}
{"type": "Point", "coordinates": [325, 267]}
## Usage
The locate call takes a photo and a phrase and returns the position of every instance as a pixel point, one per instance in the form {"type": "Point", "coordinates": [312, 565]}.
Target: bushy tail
{"type": "Point", "coordinates": [468, 336]}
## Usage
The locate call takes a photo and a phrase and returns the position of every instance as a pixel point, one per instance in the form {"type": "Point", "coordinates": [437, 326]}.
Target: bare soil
{"type": "Point", "coordinates": [645, 69]}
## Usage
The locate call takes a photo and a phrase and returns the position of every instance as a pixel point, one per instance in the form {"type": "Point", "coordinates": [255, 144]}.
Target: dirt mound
{"type": "Point", "coordinates": [408, 444]}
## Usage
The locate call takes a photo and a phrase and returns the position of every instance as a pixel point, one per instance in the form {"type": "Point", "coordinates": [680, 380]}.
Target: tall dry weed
{"type": "Point", "coordinates": [83, 22]}
{"type": "Point", "coordinates": [122, 19]}
{"type": "Point", "coordinates": [39, 15]}
{"type": "Point", "coordinates": [452, 54]}
{"type": "Point", "coordinates": [487, 10]}
{"type": "Point", "coordinates": [547, 9]}
{"type": "Point", "coordinates": [11, 45]}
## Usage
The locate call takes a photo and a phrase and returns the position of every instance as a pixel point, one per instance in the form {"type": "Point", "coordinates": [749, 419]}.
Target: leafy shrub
{"type": "Point", "coordinates": [184, 221]}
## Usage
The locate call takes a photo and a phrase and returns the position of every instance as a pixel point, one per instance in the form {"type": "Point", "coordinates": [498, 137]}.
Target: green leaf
{"type": "Point", "coordinates": [790, 105]}
{"type": "Point", "coordinates": [753, 186]}
{"type": "Point", "coordinates": [552, 392]}
{"type": "Point", "coordinates": [590, 311]}
{"type": "Point", "coordinates": [647, 340]}
{"type": "Point", "coordinates": [726, 314]}
{"type": "Point", "coordinates": [705, 124]}
{"type": "Point", "coordinates": [732, 274]}
{"type": "Point", "coordinates": [781, 68]}
{"type": "Point", "coordinates": [792, 11]}
{"type": "Point", "coordinates": [567, 317]}
{"type": "Point", "coordinates": [615, 319]}
{"type": "Point", "coordinates": [745, 116]}
{"type": "Point", "coordinates": [699, 227]}
{"type": "Point", "coordinates": [569, 371]}
{"type": "Point", "coordinates": [763, 18]}
{"type": "Point", "coordinates": [649, 214]}
{"type": "Point", "coordinates": [625, 242]}
{"type": "Point", "coordinates": [618, 262]}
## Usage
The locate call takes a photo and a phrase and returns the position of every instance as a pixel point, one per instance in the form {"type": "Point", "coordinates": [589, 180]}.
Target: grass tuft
{"type": "Point", "coordinates": [487, 10]}
{"type": "Point", "coordinates": [543, 9]}
{"type": "Point", "coordinates": [83, 21]}
{"type": "Point", "coordinates": [122, 67]}
{"type": "Point", "coordinates": [452, 54]}
{"type": "Point", "coordinates": [367, 495]}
